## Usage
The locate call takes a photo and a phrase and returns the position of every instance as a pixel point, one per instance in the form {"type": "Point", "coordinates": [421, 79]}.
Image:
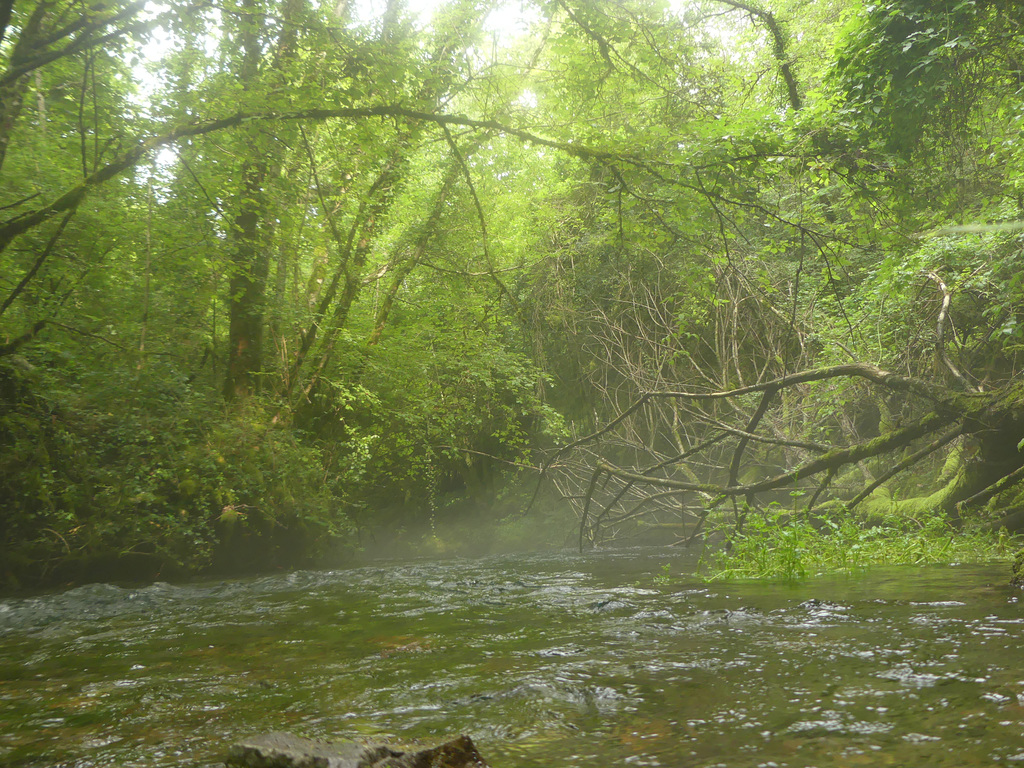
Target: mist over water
{"type": "Point", "coordinates": [545, 660]}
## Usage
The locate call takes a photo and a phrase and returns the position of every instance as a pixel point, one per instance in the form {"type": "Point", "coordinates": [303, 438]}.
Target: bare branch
{"type": "Point", "coordinates": [831, 460]}
{"type": "Point", "coordinates": [940, 330]}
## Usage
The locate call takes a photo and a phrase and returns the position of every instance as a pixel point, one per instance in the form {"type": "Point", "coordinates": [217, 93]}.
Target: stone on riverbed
{"type": "Point", "coordinates": [285, 750]}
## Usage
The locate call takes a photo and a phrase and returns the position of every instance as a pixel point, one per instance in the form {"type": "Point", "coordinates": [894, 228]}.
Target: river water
{"type": "Point", "coordinates": [545, 660]}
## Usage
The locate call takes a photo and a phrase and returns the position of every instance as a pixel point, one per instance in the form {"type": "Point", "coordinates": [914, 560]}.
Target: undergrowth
{"type": "Point", "coordinates": [166, 483]}
{"type": "Point", "coordinates": [783, 549]}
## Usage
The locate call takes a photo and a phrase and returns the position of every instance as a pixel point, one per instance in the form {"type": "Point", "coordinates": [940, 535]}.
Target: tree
{"type": "Point", "coordinates": [807, 257]}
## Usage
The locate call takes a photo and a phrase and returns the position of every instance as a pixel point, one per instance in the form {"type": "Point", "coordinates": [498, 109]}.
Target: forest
{"type": "Point", "coordinates": [283, 280]}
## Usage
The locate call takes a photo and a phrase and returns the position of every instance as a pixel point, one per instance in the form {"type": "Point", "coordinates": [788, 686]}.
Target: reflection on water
{"type": "Point", "coordinates": [545, 660]}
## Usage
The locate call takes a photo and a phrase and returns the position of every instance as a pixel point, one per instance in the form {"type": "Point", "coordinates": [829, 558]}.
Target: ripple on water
{"type": "Point", "coordinates": [545, 660]}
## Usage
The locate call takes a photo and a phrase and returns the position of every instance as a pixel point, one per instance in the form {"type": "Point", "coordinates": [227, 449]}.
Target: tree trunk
{"type": "Point", "coordinates": [253, 227]}
{"type": "Point", "coordinates": [250, 264]}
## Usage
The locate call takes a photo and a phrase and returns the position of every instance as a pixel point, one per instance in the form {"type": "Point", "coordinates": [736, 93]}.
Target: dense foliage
{"type": "Point", "coordinates": [279, 278]}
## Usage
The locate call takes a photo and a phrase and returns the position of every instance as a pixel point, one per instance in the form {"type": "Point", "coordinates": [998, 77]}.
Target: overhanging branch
{"type": "Point", "coordinates": [72, 198]}
{"type": "Point", "coordinates": [830, 461]}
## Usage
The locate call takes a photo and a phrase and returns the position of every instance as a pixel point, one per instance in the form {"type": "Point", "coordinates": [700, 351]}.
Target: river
{"type": "Point", "coordinates": [545, 660]}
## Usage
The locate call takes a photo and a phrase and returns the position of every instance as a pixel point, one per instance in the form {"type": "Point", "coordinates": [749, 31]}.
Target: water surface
{"type": "Point", "coordinates": [545, 660]}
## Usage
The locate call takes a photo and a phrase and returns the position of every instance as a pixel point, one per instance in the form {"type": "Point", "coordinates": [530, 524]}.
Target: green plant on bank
{"type": "Point", "coordinates": [778, 547]}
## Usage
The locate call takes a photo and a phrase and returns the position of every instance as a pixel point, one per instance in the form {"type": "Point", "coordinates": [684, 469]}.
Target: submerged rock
{"type": "Point", "coordinates": [285, 750]}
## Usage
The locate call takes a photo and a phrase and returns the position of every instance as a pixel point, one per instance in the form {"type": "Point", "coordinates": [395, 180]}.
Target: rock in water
{"type": "Point", "coordinates": [285, 750]}
{"type": "Point", "coordinates": [457, 753]}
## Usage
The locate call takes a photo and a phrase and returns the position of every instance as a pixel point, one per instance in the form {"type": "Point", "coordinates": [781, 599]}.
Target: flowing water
{"type": "Point", "coordinates": [545, 660]}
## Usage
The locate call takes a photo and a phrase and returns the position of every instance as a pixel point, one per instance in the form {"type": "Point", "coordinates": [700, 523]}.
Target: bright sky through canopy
{"type": "Point", "coordinates": [507, 17]}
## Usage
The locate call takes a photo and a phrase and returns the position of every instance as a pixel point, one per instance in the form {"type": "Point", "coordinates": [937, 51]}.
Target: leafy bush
{"type": "Point", "coordinates": [778, 546]}
{"type": "Point", "coordinates": [169, 483]}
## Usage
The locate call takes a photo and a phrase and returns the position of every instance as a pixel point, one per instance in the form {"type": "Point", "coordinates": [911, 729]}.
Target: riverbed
{"type": "Point", "coordinates": [545, 660]}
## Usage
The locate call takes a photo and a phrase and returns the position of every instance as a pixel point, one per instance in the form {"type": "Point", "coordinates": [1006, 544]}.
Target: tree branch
{"type": "Point", "coordinates": [940, 331]}
{"type": "Point", "coordinates": [27, 278]}
{"type": "Point", "coordinates": [906, 463]}
{"type": "Point", "coordinates": [129, 159]}
{"type": "Point", "coordinates": [831, 460]}
{"type": "Point", "coordinates": [778, 47]}
{"type": "Point", "coordinates": [12, 346]}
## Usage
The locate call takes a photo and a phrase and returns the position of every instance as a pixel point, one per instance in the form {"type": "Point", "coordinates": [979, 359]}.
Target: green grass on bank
{"type": "Point", "coordinates": [782, 549]}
